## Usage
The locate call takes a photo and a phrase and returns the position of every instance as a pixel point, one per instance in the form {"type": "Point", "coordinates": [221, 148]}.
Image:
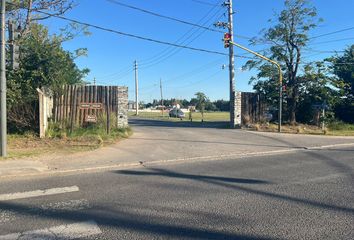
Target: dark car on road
{"type": "Point", "coordinates": [176, 113]}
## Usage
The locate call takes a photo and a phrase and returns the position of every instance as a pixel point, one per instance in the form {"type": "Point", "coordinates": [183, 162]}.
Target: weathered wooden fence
{"type": "Point", "coordinates": [253, 107]}
{"type": "Point", "coordinates": [78, 105]}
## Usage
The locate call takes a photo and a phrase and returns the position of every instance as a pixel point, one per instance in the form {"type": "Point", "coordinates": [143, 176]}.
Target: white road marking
{"type": "Point", "coordinates": [38, 193]}
{"type": "Point", "coordinates": [70, 205]}
{"type": "Point", "coordinates": [69, 231]}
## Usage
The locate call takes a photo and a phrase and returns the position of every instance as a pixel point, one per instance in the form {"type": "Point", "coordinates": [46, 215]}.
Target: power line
{"type": "Point", "coordinates": [127, 34]}
{"type": "Point", "coordinates": [162, 16]}
{"type": "Point", "coordinates": [175, 51]}
{"type": "Point", "coordinates": [165, 54]}
{"type": "Point", "coordinates": [330, 33]}
{"type": "Point", "coordinates": [330, 41]}
{"type": "Point", "coordinates": [188, 74]}
{"type": "Point", "coordinates": [205, 3]}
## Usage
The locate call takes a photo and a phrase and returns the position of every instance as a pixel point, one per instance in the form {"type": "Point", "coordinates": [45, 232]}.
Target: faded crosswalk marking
{"type": "Point", "coordinates": [69, 231]}
{"type": "Point", "coordinates": [38, 193]}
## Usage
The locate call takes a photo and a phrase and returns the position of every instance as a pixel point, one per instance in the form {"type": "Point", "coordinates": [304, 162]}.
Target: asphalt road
{"type": "Point", "coordinates": [305, 194]}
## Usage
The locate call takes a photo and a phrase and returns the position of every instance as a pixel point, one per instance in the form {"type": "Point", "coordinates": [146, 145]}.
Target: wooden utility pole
{"type": "Point", "coordinates": [136, 88]}
{"type": "Point", "coordinates": [162, 106]}
{"type": "Point", "coordinates": [231, 66]}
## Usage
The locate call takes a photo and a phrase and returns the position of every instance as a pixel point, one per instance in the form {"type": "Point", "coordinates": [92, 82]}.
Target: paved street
{"type": "Point", "coordinates": [159, 141]}
{"type": "Point", "coordinates": [303, 195]}
{"type": "Point", "coordinates": [299, 194]}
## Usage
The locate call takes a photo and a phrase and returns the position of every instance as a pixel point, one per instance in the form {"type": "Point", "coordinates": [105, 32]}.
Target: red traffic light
{"type": "Point", "coordinates": [227, 38]}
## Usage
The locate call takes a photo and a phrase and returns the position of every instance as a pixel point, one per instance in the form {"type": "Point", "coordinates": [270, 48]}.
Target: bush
{"type": "Point", "coordinates": [340, 126]}
{"type": "Point", "coordinates": [345, 112]}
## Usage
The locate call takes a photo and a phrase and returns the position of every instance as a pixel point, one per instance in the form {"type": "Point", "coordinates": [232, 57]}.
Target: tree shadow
{"type": "Point", "coordinates": [123, 220]}
{"type": "Point", "coordinates": [171, 174]}
{"type": "Point", "coordinates": [320, 155]}
{"type": "Point", "coordinates": [218, 142]}
{"type": "Point", "coordinates": [235, 184]}
{"type": "Point", "coordinates": [178, 124]}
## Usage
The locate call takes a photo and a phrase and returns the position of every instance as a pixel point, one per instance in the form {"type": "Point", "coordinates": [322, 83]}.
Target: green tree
{"type": "Point", "coordinates": [43, 63]}
{"type": "Point", "coordinates": [316, 89]}
{"type": "Point", "coordinates": [342, 66]}
{"type": "Point", "coordinates": [288, 38]}
{"type": "Point", "coordinates": [201, 102]}
{"type": "Point", "coordinates": [26, 12]}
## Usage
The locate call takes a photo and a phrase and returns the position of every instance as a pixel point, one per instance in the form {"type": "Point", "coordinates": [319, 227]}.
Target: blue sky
{"type": "Point", "coordinates": [185, 72]}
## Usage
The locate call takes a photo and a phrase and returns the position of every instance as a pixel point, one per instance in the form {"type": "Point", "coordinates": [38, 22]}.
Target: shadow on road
{"type": "Point", "coordinates": [182, 124]}
{"type": "Point", "coordinates": [320, 155]}
{"type": "Point", "coordinates": [235, 184]}
{"type": "Point", "coordinates": [142, 224]}
{"type": "Point", "coordinates": [166, 173]}
{"type": "Point", "coordinates": [223, 143]}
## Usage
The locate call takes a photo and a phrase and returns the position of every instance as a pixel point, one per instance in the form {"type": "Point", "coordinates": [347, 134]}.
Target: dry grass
{"type": "Point", "coordinates": [302, 129]}
{"type": "Point", "coordinates": [197, 116]}
{"type": "Point", "coordinates": [30, 145]}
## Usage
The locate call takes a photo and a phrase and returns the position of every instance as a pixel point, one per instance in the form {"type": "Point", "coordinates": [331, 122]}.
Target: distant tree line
{"type": "Point", "coordinates": [218, 105]}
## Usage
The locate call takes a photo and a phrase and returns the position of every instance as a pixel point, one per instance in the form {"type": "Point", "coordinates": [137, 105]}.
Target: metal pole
{"type": "Point", "coordinates": [280, 99]}
{"type": "Point", "coordinates": [136, 88]}
{"type": "Point", "coordinates": [323, 118]}
{"type": "Point", "coordinates": [280, 79]}
{"type": "Point", "coordinates": [231, 67]}
{"type": "Point", "coordinates": [3, 120]}
{"type": "Point", "coordinates": [161, 97]}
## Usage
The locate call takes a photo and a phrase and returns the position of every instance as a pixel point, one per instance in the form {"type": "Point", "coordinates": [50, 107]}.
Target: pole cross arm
{"type": "Point", "coordinates": [280, 78]}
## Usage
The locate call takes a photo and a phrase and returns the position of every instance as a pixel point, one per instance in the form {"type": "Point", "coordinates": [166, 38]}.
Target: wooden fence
{"type": "Point", "coordinates": [252, 107]}
{"type": "Point", "coordinates": [78, 105]}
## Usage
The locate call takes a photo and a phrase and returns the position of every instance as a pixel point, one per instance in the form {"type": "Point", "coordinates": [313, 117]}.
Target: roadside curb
{"type": "Point", "coordinates": [170, 161]}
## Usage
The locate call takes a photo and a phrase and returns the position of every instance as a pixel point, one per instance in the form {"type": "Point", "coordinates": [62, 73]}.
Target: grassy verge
{"type": "Point", "coordinates": [333, 129]}
{"type": "Point", "coordinates": [197, 116]}
{"type": "Point", "coordinates": [63, 142]}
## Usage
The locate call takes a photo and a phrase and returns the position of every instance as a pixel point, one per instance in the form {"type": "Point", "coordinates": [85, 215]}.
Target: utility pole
{"type": "Point", "coordinates": [163, 108]}
{"type": "Point", "coordinates": [231, 66]}
{"type": "Point", "coordinates": [136, 88]}
{"type": "Point", "coordinates": [94, 81]}
{"type": "Point", "coordinates": [234, 120]}
{"type": "Point", "coordinates": [3, 120]}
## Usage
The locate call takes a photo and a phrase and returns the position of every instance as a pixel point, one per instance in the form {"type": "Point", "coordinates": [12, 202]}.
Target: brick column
{"type": "Point", "coordinates": [238, 105]}
{"type": "Point", "coordinates": [122, 107]}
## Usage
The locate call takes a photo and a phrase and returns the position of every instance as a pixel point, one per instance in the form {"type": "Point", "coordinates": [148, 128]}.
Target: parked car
{"type": "Point", "coordinates": [176, 113]}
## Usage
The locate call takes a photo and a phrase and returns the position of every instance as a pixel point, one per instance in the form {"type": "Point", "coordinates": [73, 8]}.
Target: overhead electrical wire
{"type": "Point", "coordinates": [331, 33]}
{"type": "Point", "coordinates": [205, 3]}
{"type": "Point", "coordinates": [162, 16]}
{"type": "Point", "coordinates": [129, 34]}
{"type": "Point", "coordinates": [180, 40]}
{"type": "Point", "coordinates": [175, 51]}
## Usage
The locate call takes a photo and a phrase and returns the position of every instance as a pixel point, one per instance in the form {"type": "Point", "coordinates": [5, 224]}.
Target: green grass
{"type": "Point", "coordinates": [197, 116]}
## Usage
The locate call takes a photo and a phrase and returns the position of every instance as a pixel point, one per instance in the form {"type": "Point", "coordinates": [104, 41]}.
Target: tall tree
{"type": "Point", "coordinates": [26, 12]}
{"type": "Point", "coordinates": [343, 68]}
{"type": "Point", "coordinates": [288, 38]}
{"type": "Point", "coordinates": [43, 63]}
{"type": "Point", "coordinates": [201, 102]}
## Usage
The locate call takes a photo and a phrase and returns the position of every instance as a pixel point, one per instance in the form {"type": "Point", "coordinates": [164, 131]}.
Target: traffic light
{"type": "Point", "coordinates": [14, 34]}
{"type": "Point", "coordinates": [227, 38]}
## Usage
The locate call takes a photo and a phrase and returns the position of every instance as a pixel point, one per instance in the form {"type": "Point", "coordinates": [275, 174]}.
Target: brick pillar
{"type": "Point", "coordinates": [122, 107]}
{"type": "Point", "coordinates": [238, 105]}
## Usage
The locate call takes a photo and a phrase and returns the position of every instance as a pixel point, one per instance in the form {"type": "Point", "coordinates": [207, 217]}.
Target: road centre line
{"type": "Point", "coordinates": [38, 193]}
{"type": "Point", "coordinates": [67, 231]}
